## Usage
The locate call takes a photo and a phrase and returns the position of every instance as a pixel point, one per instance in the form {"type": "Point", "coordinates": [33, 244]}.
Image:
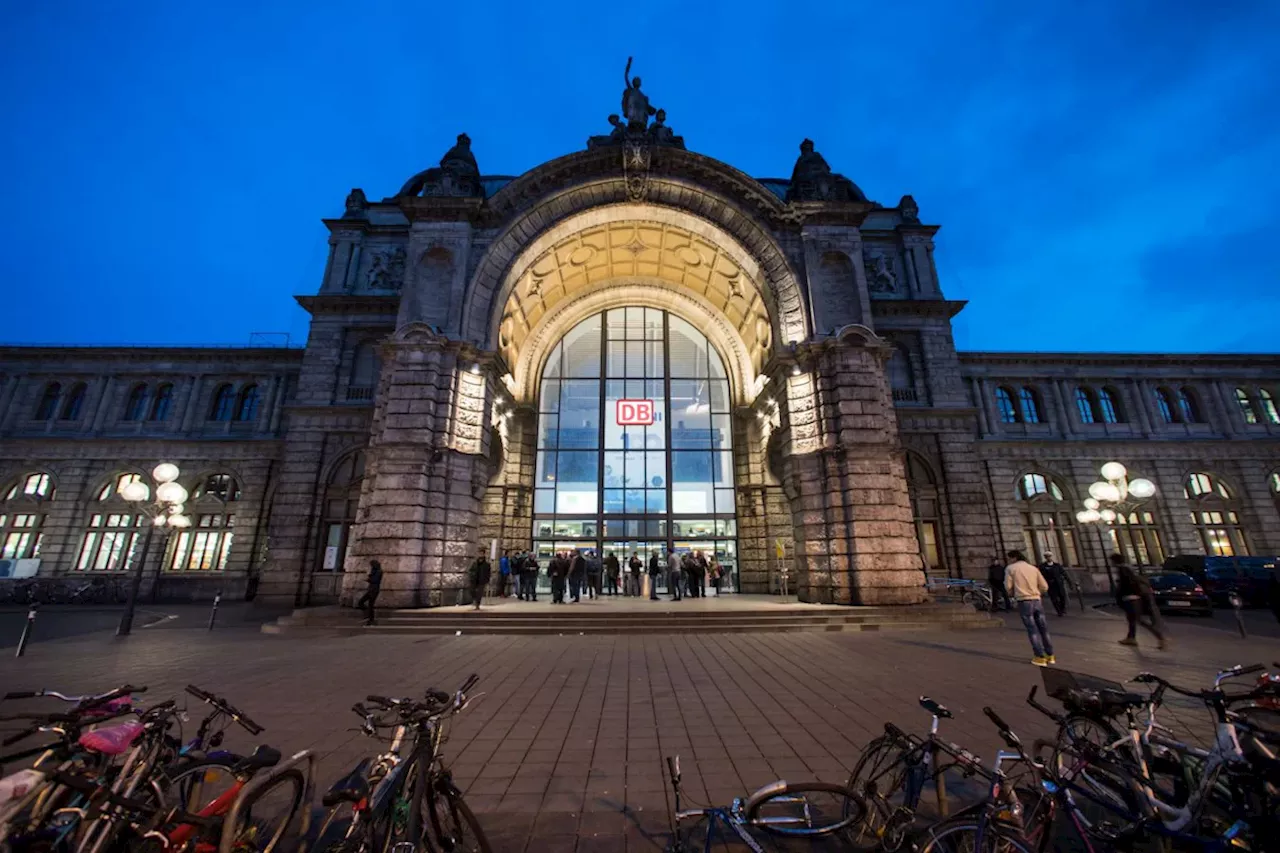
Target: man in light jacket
{"type": "Point", "coordinates": [1024, 583]}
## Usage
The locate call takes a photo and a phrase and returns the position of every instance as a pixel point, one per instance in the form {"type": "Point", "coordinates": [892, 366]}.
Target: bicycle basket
{"type": "Point", "coordinates": [1088, 694]}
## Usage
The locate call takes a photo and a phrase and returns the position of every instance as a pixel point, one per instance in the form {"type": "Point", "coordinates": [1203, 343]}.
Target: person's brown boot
{"type": "Point", "coordinates": [1128, 641]}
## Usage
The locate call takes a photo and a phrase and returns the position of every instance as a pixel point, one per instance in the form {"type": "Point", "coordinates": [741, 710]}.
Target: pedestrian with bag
{"type": "Point", "coordinates": [1024, 582]}
{"type": "Point", "coordinates": [373, 587]}
{"type": "Point", "coordinates": [1134, 595]}
{"type": "Point", "coordinates": [479, 574]}
{"type": "Point", "coordinates": [611, 572]}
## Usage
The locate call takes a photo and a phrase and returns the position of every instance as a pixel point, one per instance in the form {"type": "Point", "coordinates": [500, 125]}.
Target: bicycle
{"type": "Point", "coordinates": [380, 804]}
{"type": "Point", "coordinates": [824, 809]}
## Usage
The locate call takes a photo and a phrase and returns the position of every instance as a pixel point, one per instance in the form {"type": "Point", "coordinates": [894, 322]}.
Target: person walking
{"type": "Point", "coordinates": [577, 574]}
{"type": "Point", "coordinates": [479, 574]}
{"type": "Point", "coordinates": [1025, 583]}
{"type": "Point", "coordinates": [504, 574]}
{"type": "Point", "coordinates": [995, 579]}
{"type": "Point", "coordinates": [703, 568]}
{"type": "Point", "coordinates": [689, 566]}
{"type": "Point", "coordinates": [1055, 574]}
{"type": "Point", "coordinates": [1134, 595]}
{"type": "Point", "coordinates": [594, 572]}
{"type": "Point", "coordinates": [655, 569]}
{"type": "Point", "coordinates": [716, 573]}
{"type": "Point", "coordinates": [611, 572]}
{"type": "Point", "coordinates": [370, 597]}
{"type": "Point", "coordinates": [633, 576]}
{"type": "Point", "coordinates": [675, 577]}
{"type": "Point", "coordinates": [557, 569]}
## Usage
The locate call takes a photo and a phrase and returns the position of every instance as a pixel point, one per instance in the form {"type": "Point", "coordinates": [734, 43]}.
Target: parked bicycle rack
{"type": "Point", "coordinates": [227, 842]}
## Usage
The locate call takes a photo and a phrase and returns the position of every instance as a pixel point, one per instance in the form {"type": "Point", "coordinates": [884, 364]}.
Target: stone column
{"type": "Point", "coordinates": [855, 540]}
{"type": "Point", "coordinates": [508, 501]}
{"type": "Point", "coordinates": [103, 403]}
{"type": "Point", "coordinates": [1141, 396]}
{"type": "Point", "coordinates": [188, 404]}
{"type": "Point", "coordinates": [1066, 406]}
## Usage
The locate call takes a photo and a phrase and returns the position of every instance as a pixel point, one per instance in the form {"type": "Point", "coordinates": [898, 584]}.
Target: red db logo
{"type": "Point", "coordinates": [635, 412]}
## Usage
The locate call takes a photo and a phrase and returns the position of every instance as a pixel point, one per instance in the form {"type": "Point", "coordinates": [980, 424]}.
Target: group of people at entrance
{"type": "Point", "coordinates": [1025, 583]}
{"type": "Point", "coordinates": [575, 572]}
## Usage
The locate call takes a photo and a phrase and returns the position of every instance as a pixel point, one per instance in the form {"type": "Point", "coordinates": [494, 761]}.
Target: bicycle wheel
{"type": "Point", "coordinates": [1100, 792]}
{"type": "Point", "coordinates": [339, 832]}
{"type": "Point", "coordinates": [192, 785]}
{"type": "Point", "coordinates": [963, 838]}
{"type": "Point", "coordinates": [454, 825]}
{"type": "Point", "coordinates": [268, 814]}
{"type": "Point", "coordinates": [878, 778]}
{"type": "Point", "coordinates": [807, 810]}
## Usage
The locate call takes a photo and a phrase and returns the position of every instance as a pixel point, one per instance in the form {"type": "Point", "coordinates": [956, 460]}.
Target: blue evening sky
{"type": "Point", "coordinates": [1105, 173]}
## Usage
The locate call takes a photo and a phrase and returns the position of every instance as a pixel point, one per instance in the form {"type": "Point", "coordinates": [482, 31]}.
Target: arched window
{"type": "Point", "coordinates": [901, 382]}
{"type": "Point", "coordinates": [364, 366]}
{"type": "Point", "coordinates": [1048, 526]}
{"type": "Point", "coordinates": [206, 544]}
{"type": "Point", "coordinates": [73, 404]}
{"type": "Point", "coordinates": [1109, 403]}
{"type": "Point", "coordinates": [113, 540]}
{"type": "Point", "coordinates": [1246, 406]}
{"type": "Point", "coordinates": [1268, 406]}
{"type": "Point", "coordinates": [22, 514]}
{"type": "Point", "coordinates": [1189, 405]}
{"type": "Point", "coordinates": [1030, 403]}
{"type": "Point", "coordinates": [161, 403]}
{"type": "Point", "coordinates": [136, 408]}
{"type": "Point", "coordinates": [923, 488]}
{"type": "Point", "coordinates": [341, 498]}
{"type": "Point", "coordinates": [1004, 404]}
{"type": "Point", "coordinates": [247, 407]}
{"type": "Point", "coordinates": [223, 402]}
{"type": "Point", "coordinates": [48, 405]}
{"type": "Point", "coordinates": [1168, 408]}
{"type": "Point", "coordinates": [1216, 517]}
{"type": "Point", "coordinates": [1087, 405]}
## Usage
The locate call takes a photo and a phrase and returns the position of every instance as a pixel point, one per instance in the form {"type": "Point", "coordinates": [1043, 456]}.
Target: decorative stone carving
{"type": "Point", "coordinates": [637, 157]}
{"type": "Point", "coordinates": [881, 276]}
{"type": "Point", "coordinates": [910, 213]}
{"type": "Point", "coordinates": [813, 180]}
{"type": "Point", "coordinates": [457, 176]}
{"type": "Point", "coordinates": [632, 129]}
{"type": "Point", "coordinates": [386, 270]}
{"type": "Point", "coordinates": [356, 204]}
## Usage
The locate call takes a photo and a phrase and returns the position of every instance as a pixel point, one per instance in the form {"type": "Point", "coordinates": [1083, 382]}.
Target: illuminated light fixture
{"type": "Point", "coordinates": [1104, 491]}
{"type": "Point", "coordinates": [172, 493]}
{"type": "Point", "coordinates": [1091, 503]}
{"type": "Point", "coordinates": [135, 491]}
{"type": "Point", "coordinates": [1113, 471]}
{"type": "Point", "coordinates": [1142, 488]}
{"type": "Point", "coordinates": [165, 472]}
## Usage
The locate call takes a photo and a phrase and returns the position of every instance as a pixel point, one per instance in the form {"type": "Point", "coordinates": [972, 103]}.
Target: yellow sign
{"type": "Point", "coordinates": [781, 551]}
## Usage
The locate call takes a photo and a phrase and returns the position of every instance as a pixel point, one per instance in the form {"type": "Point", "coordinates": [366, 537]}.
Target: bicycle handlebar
{"type": "Point", "coordinates": [227, 708]}
{"type": "Point", "coordinates": [1010, 739]}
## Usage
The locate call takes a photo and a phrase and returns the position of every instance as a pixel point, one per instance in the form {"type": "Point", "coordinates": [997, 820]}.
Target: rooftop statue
{"type": "Point", "coordinates": [813, 180]}
{"type": "Point", "coordinates": [633, 126]}
{"type": "Point", "coordinates": [457, 175]}
{"type": "Point", "coordinates": [635, 104]}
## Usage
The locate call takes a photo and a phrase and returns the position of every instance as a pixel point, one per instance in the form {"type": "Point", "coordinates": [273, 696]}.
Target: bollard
{"type": "Point", "coordinates": [1236, 603]}
{"type": "Point", "coordinates": [26, 632]}
{"type": "Point", "coordinates": [213, 614]}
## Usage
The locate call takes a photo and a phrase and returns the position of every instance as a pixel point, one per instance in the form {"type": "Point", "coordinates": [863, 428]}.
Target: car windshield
{"type": "Point", "coordinates": [1172, 582]}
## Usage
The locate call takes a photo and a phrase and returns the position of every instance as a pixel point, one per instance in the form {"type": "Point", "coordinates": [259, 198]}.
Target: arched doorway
{"type": "Point", "coordinates": [635, 440]}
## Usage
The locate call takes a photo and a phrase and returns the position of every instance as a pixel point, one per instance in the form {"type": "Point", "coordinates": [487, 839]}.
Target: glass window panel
{"type": "Point", "coordinates": [656, 500]}
{"type": "Point", "coordinates": [582, 349]}
{"type": "Point", "coordinates": [719, 393]}
{"type": "Point", "coordinates": [552, 368]}
{"type": "Point", "coordinates": [634, 476]}
{"type": "Point", "coordinates": [717, 366]}
{"type": "Point", "coordinates": [653, 324]}
{"type": "Point", "coordinates": [635, 323]}
{"type": "Point", "coordinates": [655, 528]}
{"type": "Point", "coordinates": [635, 359]}
{"type": "Point", "coordinates": [722, 468]}
{"type": "Point", "coordinates": [546, 468]}
{"type": "Point", "coordinates": [577, 482]}
{"type": "Point", "coordinates": [724, 500]}
{"type": "Point", "coordinates": [613, 500]}
{"type": "Point", "coordinates": [613, 469]}
{"type": "Point", "coordinates": [580, 413]}
{"type": "Point", "coordinates": [616, 364]}
{"type": "Point", "coordinates": [550, 398]}
{"type": "Point", "coordinates": [656, 471]}
{"type": "Point", "coordinates": [721, 431]}
{"type": "Point", "coordinates": [635, 500]}
{"type": "Point", "coordinates": [654, 360]}
{"type": "Point", "coordinates": [688, 350]}
{"type": "Point", "coordinates": [616, 323]}
{"type": "Point", "coordinates": [548, 427]}
{"type": "Point", "coordinates": [544, 500]}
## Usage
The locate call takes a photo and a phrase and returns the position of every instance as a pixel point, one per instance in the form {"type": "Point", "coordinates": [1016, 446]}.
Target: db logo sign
{"type": "Point", "coordinates": [635, 412]}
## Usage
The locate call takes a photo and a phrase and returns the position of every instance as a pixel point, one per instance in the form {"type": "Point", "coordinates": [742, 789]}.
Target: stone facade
{"type": "Point", "coordinates": [406, 428]}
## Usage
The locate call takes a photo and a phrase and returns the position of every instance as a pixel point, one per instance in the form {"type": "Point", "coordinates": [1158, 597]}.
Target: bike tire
{"type": "Point", "coordinates": [335, 834]}
{"type": "Point", "coordinates": [256, 833]}
{"type": "Point", "coordinates": [453, 822]}
{"type": "Point", "coordinates": [878, 776]}
{"type": "Point", "coordinates": [949, 837]}
{"type": "Point", "coordinates": [849, 810]}
{"type": "Point", "coordinates": [187, 784]}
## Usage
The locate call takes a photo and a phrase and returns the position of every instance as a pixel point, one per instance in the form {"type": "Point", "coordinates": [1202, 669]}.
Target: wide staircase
{"type": "Point", "coordinates": [727, 614]}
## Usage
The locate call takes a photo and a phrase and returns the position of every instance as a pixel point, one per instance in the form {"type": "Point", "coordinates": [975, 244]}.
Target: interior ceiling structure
{"type": "Point", "coordinates": [635, 250]}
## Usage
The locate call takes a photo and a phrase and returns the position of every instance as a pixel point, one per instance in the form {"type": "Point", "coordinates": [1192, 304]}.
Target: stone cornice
{"type": "Point", "coordinates": [441, 208]}
{"type": "Point", "coordinates": [364, 226]}
{"type": "Point", "coordinates": [1103, 359]}
{"type": "Point", "coordinates": [153, 356]}
{"type": "Point", "coordinates": [349, 304]}
{"type": "Point", "coordinates": [917, 307]}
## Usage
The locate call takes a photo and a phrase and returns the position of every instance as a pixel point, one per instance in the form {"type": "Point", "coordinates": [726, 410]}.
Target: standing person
{"type": "Point", "coordinates": [1134, 595]}
{"type": "Point", "coordinates": [633, 580]}
{"type": "Point", "coordinates": [995, 578]}
{"type": "Point", "coordinates": [1025, 583]}
{"type": "Point", "coordinates": [689, 565]}
{"type": "Point", "coordinates": [611, 572]}
{"type": "Point", "coordinates": [703, 568]}
{"type": "Point", "coordinates": [479, 574]}
{"type": "Point", "coordinates": [504, 574]}
{"type": "Point", "coordinates": [370, 597]}
{"type": "Point", "coordinates": [1056, 576]}
{"type": "Point", "coordinates": [594, 571]}
{"type": "Point", "coordinates": [557, 569]}
{"type": "Point", "coordinates": [577, 574]}
{"type": "Point", "coordinates": [675, 577]}
{"type": "Point", "coordinates": [716, 574]}
{"type": "Point", "coordinates": [655, 569]}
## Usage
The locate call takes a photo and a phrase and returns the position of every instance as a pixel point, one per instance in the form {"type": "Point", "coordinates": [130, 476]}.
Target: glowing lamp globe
{"type": "Point", "coordinates": [1090, 503]}
{"type": "Point", "coordinates": [1142, 488]}
{"type": "Point", "coordinates": [1093, 515]}
{"type": "Point", "coordinates": [1101, 491]}
{"type": "Point", "coordinates": [158, 521]}
{"type": "Point", "coordinates": [1084, 516]}
{"type": "Point", "coordinates": [135, 491]}
{"type": "Point", "coordinates": [165, 472]}
{"type": "Point", "coordinates": [1114, 471]}
{"type": "Point", "coordinates": [1108, 515]}
{"type": "Point", "coordinates": [171, 493]}
{"type": "Point", "coordinates": [179, 521]}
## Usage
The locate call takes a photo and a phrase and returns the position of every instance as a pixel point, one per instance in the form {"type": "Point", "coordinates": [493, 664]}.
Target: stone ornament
{"type": "Point", "coordinates": [386, 270]}
{"type": "Point", "coordinates": [813, 180]}
{"type": "Point", "coordinates": [909, 211]}
{"type": "Point", "coordinates": [457, 176]}
{"type": "Point", "coordinates": [633, 132]}
{"type": "Point", "coordinates": [356, 204]}
{"type": "Point", "coordinates": [881, 277]}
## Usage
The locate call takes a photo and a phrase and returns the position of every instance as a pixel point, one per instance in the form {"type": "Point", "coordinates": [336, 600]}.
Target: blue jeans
{"type": "Point", "coordinates": [1032, 613]}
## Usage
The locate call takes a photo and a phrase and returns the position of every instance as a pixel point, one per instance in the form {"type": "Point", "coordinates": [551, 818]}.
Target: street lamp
{"type": "Point", "coordinates": [1112, 497]}
{"type": "Point", "coordinates": [165, 511]}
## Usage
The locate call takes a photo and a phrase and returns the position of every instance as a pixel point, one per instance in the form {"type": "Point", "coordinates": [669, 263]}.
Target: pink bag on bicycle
{"type": "Point", "coordinates": [120, 703]}
{"type": "Point", "coordinates": [112, 740]}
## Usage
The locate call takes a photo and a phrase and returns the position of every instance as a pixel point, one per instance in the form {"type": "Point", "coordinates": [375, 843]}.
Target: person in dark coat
{"type": "Point", "coordinates": [1055, 574]}
{"type": "Point", "coordinates": [557, 570]}
{"type": "Point", "coordinates": [612, 570]}
{"type": "Point", "coordinates": [995, 577]}
{"type": "Point", "coordinates": [655, 569]}
{"type": "Point", "coordinates": [479, 574]}
{"type": "Point", "coordinates": [594, 572]}
{"type": "Point", "coordinates": [370, 597]}
{"type": "Point", "coordinates": [577, 575]}
{"type": "Point", "coordinates": [529, 574]}
{"type": "Point", "coordinates": [1134, 595]}
{"type": "Point", "coordinates": [633, 583]}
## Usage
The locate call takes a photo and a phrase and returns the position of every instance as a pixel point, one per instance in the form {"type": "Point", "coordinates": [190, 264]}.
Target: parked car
{"type": "Point", "coordinates": [1178, 592]}
{"type": "Point", "coordinates": [1251, 577]}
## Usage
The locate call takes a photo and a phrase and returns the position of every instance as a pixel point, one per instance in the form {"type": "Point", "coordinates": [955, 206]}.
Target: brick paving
{"type": "Point", "coordinates": [565, 751]}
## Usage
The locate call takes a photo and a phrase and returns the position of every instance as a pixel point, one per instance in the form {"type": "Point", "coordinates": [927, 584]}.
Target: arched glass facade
{"type": "Point", "coordinates": [635, 449]}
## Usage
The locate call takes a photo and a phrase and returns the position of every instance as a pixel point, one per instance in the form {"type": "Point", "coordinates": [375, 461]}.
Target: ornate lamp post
{"type": "Point", "coordinates": [1112, 497]}
{"type": "Point", "coordinates": [165, 512]}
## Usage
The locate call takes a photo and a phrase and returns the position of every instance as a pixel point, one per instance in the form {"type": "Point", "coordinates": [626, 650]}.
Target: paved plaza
{"type": "Point", "coordinates": [564, 752]}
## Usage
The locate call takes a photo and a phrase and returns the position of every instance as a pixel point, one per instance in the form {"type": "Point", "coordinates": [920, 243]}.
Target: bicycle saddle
{"type": "Point", "coordinates": [353, 787]}
{"type": "Point", "coordinates": [262, 756]}
{"type": "Point", "coordinates": [935, 708]}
